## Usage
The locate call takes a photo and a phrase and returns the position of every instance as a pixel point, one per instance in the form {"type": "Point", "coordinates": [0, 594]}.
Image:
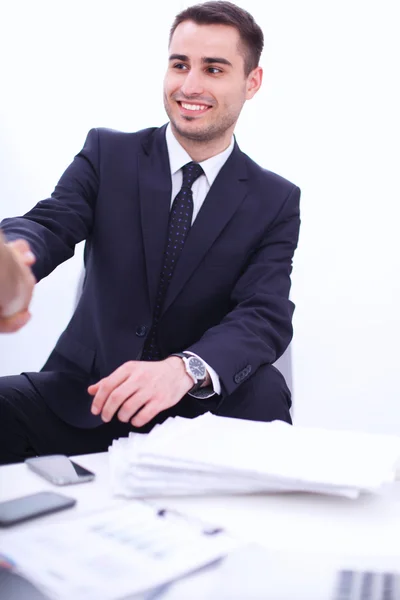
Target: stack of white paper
{"type": "Point", "coordinates": [211, 455]}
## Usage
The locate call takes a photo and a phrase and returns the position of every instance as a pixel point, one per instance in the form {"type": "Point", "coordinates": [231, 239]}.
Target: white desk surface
{"type": "Point", "coordinates": [363, 533]}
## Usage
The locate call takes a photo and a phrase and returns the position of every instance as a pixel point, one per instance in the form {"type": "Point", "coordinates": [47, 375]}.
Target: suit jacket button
{"type": "Point", "coordinates": [141, 331]}
{"type": "Point", "coordinates": [237, 378]}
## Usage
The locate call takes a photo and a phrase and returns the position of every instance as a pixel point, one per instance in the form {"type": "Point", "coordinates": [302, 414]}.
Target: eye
{"type": "Point", "coordinates": [180, 66]}
{"type": "Point", "coordinates": [214, 70]}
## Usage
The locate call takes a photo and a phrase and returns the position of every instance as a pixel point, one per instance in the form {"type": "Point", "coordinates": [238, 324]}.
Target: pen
{"type": "Point", "coordinates": [206, 529]}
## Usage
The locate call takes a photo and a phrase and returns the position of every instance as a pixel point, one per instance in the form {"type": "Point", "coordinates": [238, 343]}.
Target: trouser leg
{"type": "Point", "coordinates": [28, 427]}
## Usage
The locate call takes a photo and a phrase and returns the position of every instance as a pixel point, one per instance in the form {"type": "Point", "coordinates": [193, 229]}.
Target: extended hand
{"type": "Point", "coordinates": [17, 283]}
{"type": "Point", "coordinates": [147, 387]}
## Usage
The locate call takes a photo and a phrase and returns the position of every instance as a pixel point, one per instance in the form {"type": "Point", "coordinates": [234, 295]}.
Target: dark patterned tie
{"type": "Point", "coordinates": [180, 220]}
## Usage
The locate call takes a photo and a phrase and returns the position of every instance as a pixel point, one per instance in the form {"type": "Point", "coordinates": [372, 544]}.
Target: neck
{"type": "Point", "coordinates": [199, 150]}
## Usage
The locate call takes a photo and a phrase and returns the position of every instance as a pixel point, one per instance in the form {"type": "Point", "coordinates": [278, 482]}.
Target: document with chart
{"type": "Point", "coordinates": [115, 553]}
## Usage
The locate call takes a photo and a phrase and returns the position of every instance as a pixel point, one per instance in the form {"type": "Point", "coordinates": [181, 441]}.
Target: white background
{"type": "Point", "coordinates": [326, 118]}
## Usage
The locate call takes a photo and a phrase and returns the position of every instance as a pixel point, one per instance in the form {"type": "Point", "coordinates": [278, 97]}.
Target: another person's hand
{"type": "Point", "coordinates": [138, 391]}
{"type": "Point", "coordinates": [16, 284]}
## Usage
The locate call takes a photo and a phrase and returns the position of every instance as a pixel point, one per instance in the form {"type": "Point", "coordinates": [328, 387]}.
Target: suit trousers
{"type": "Point", "coordinates": [28, 426]}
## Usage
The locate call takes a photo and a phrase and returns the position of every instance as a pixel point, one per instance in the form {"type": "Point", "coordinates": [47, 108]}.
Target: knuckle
{"type": "Point", "coordinates": [105, 387]}
{"type": "Point", "coordinates": [114, 397]}
{"type": "Point", "coordinates": [140, 381]}
{"type": "Point", "coordinates": [126, 367]}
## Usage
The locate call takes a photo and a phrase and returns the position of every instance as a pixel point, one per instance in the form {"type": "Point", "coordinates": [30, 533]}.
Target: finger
{"type": "Point", "coordinates": [132, 404]}
{"type": "Point", "coordinates": [23, 250]}
{"type": "Point", "coordinates": [107, 386]}
{"type": "Point", "coordinates": [14, 323]}
{"type": "Point", "coordinates": [148, 412]}
{"type": "Point", "coordinates": [118, 397]}
{"type": "Point", "coordinates": [92, 389]}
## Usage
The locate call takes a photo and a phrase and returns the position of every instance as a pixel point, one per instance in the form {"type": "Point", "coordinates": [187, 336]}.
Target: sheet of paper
{"type": "Point", "coordinates": [114, 554]}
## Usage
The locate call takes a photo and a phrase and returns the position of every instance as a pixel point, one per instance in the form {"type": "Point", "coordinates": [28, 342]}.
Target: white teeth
{"type": "Point", "coordinates": [193, 106]}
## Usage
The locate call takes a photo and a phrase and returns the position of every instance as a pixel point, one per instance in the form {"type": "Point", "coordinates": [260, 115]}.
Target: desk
{"type": "Point", "coordinates": [294, 529]}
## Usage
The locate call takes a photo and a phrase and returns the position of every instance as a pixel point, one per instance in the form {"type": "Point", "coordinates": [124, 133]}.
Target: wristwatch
{"type": "Point", "coordinates": [195, 368]}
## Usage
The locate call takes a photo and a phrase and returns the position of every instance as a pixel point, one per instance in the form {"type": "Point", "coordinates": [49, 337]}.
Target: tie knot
{"type": "Point", "coordinates": [190, 173]}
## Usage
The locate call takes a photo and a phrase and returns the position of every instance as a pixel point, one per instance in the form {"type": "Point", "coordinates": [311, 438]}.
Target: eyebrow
{"type": "Point", "coordinates": [208, 60]}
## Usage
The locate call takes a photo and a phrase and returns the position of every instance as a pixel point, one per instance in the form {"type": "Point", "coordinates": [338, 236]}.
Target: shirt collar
{"type": "Point", "coordinates": [178, 157]}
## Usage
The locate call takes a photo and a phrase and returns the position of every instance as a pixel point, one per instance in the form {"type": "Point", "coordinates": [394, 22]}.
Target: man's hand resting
{"type": "Point", "coordinates": [16, 284]}
{"type": "Point", "coordinates": [138, 391]}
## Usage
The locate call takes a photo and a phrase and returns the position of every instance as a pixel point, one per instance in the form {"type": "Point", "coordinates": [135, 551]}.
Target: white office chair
{"type": "Point", "coordinates": [284, 364]}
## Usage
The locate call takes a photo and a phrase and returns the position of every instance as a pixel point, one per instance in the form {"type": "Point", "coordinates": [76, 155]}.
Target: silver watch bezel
{"type": "Point", "coordinates": [196, 380]}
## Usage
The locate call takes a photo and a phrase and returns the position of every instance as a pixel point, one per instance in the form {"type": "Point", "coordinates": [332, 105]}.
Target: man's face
{"type": "Point", "coordinates": [205, 86]}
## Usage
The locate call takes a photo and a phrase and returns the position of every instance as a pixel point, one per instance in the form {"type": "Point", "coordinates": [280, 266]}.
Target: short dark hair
{"type": "Point", "coordinates": [225, 13]}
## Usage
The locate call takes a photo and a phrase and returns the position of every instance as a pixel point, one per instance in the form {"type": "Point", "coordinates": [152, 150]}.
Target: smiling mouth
{"type": "Point", "coordinates": [192, 108]}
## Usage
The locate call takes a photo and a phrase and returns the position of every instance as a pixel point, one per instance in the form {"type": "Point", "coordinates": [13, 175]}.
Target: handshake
{"type": "Point", "coordinates": [16, 284]}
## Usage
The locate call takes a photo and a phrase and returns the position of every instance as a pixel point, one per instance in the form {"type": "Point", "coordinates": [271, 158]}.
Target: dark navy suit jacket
{"type": "Point", "coordinates": [228, 297]}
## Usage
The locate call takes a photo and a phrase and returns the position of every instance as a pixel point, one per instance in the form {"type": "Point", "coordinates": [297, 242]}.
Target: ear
{"type": "Point", "coordinates": [254, 81]}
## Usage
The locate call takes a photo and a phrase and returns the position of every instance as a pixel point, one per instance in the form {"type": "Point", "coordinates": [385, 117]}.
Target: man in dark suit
{"type": "Point", "coordinates": [188, 255]}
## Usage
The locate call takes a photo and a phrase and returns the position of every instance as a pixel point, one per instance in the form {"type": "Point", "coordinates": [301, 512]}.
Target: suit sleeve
{"type": "Point", "coordinates": [258, 328]}
{"type": "Point", "coordinates": [54, 226]}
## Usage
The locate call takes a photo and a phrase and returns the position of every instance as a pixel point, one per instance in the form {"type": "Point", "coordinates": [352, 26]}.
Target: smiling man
{"type": "Point", "coordinates": [189, 248]}
{"type": "Point", "coordinates": [210, 76]}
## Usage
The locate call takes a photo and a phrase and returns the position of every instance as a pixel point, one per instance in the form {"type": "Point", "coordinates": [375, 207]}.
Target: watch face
{"type": "Point", "coordinates": [197, 367]}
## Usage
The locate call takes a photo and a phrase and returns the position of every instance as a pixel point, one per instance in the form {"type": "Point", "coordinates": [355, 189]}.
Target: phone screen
{"type": "Point", "coordinates": [35, 505]}
{"type": "Point", "coordinates": [59, 469]}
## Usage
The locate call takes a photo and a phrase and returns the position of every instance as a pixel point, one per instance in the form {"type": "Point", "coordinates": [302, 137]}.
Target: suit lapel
{"type": "Point", "coordinates": [155, 190]}
{"type": "Point", "coordinates": [225, 196]}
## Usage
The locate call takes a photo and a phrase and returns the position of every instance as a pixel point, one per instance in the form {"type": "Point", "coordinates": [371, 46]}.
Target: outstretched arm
{"type": "Point", "coordinates": [55, 225]}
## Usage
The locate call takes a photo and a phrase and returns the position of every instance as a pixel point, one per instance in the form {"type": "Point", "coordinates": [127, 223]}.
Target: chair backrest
{"type": "Point", "coordinates": [284, 364]}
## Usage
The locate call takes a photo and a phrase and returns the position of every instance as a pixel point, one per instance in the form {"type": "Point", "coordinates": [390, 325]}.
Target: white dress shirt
{"type": "Point", "coordinates": [178, 157]}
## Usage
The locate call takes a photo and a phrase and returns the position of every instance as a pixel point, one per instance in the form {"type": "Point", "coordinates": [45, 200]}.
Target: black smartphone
{"type": "Point", "coordinates": [59, 469]}
{"type": "Point", "coordinates": [28, 507]}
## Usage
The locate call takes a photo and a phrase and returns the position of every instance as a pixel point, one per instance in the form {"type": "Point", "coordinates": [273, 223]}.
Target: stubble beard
{"type": "Point", "coordinates": [204, 133]}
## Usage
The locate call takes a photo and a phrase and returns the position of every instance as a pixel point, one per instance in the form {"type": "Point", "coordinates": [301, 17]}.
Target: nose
{"type": "Point", "coordinates": [193, 84]}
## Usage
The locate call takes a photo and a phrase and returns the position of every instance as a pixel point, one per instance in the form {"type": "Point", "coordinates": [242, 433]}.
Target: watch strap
{"type": "Point", "coordinates": [181, 354]}
{"type": "Point", "coordinates": [196, 385]}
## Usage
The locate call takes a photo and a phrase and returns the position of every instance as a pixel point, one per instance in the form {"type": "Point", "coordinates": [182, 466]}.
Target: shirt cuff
{"type": "Point", "coordinates": [214, 388]}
